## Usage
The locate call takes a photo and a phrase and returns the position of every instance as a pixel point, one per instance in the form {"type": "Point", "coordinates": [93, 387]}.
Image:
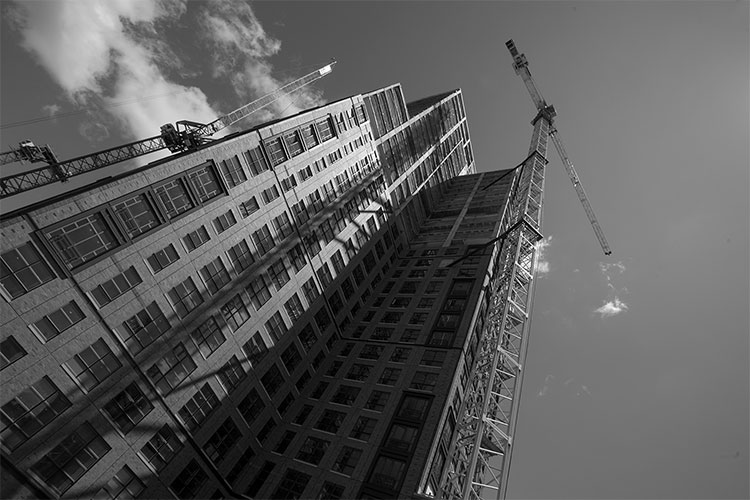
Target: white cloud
{"type": "Point", "coordinates": [542, 263]}
{"type": "Point", "coordinates": [611, 308]}
{"type": "Point", "coordinates": [51, 109]}
{"type": "Point", "coordinates": [543, 390]}
{"type": "Point", "coordinates": [612, 304]}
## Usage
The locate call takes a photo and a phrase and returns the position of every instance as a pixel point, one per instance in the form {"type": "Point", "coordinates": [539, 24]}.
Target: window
{"type": "Point", "coordinates": [389, 376]}
{"type": "Point", "coordinates": [264, 431]}
{"type": "Point", "coordinates": [162, 258]}
{"type": "Point", "coordinates": [172, 369]}
{"type": "Point", "coordinates": [205, 183]}
{"type": "Point", "coordinates": [400, 355]}
{"type": "Point", "coordinates": [293, 143]}
{"type": "Point", "coordinates": [448, 321]}
{"type": "Point", "coordinates": [224, 221]}
{"type": "Point", "coordinates": [259, 479]}
{"type": "Point", "coordinates": [382, 333]}
{"type": "Point", "coordinates": [123, 485]}
{"type": "Point", "coordinates": [188, 483]}
{"type": "Point", "coordinates": [263, 240]}
{"type": "Point", "coordinates": [363, 428]}
{"type": "Point", "coordinates": [215, 275]}
{"type": "Point", "coordinates": [285, 403]}
{"type": "Point", "coordinates": [299, 211]}
{"type": "Point", "coordinates": [284, 442]}
{"type": "Point", "coordinates": [424, 381]}
{"type": "Point", "coordinates": [312, 242]}
{"type": "Point", "coordinates": [308, 135]}
{"type": "Point", "coordinates": [307, 337]}
{"type": "Point", "coordinates": [302, 415]}
{"type": "Point", "coordinates": [400, 302]}
{"type": "Point", "coordinates": [269, 194]}
{"type": "Point", "coordinates": [276, 327]}
{"type": "Point", "coordinates": [184, 297]}
{"type": "Point", "coordinates": [410, 335]}
{"type": "Point", "coordinates": [319, 390]}
{"type": "Point", "coordinates": [291, 358]}
{"type": "Point", "coordinates": [297, 257]}
{"type": "Point", "coordinates": [338, 262]}
{"type": "Point", "coordinates": [275, 150]}
{"type": "Point", "coordinates": [174, 198]}
{"type": "Point", "coordinates": [232, 170]}
{"type": "Point", "coordinates": [240, 256]}
{"type": "Point", "coordinates": [256, 161]}
{"type": "Point", "coordinates": [238, 467]}
{"type": "Point", "coordinates": [305, 173]}
{"type": "Point", "coordinates": [330, 491]}
{"type": "Point", "coordinates": [283, 225]}
{"type": "Point", "coordinates": [272, 380]}
{"type": "Point", "coordinates": [302, 381]}
{"type": "Point", "coordinates": [418, 318]}
{"type": "Point", "coordinates": [413, 408]}
{"type": "Point", "coordinates": [294, 307]}
{"type": "Point", "coordinates": [335, 301]}
{"type": "Point", "coordinates": [292, 485]}
{"type": "Point", "coordinates": [142, 329]}
{"type": "Point", "coordinates": [324, 274]}
{"type": "Point", "coordinates": [325, 130]}
{"type": "Point", "coordinates": [67, 462]}
{"type": "Point", "coordinates": [377, 400]}
{"type": "Point", "coordinates": [83, 239]}
{"type": "Point", "coordinates": [231, 374]}
{"type": "Point", "coordinates": [312, 450]}
{"type": "Point", "coordinates": [251, 407]}
{"type": "Point", "coordinates": [226, 436]}
{"type": "Point", "coordinates": [371, 351]}
{"type": "Point", "coordinates": [331, 421]}
{"type": "Point", "coordinates": [278, 274]}
{"type": "Point", "coordinates": [196, 238]}
{"type": "Point", "coordinates": [111, 289]}
{"type": "Point", "coordinates": [198, 408]}
{"type": "Point", "coordinates": [258, 292]}
{"type": "Point", "coordinates": [249, 207]}
{"type": "Point", "coordinates": [161, 448]}
{"type": "Point", "coordinates": [426, 303]}
{"type": "Point", "coordinates": [30, 411]}
{"type": "Point", "coordinates": [347, 460]}
{"type": "Point", "coordinates": [433, 358]}
{"type": "Point", "coordinates": [409, 287]}
{"type": "Point", "coordinates": [322, 319]}
{"type": "Point", "coordinates": [235, 313]}
{"type": "Point", "coordinates": [10, 351]}
{"type": "Point", "coordinates": [460, 288]}
{"type": "Point", "coordinates": [310, 289]}
{"type": "Point", "coordinates": [345, 395]}
{"type": "Point", "coordinates": [315, 201]}
{"type": "Point", "coordinates": [359, 372]}
{"type": "Point", "coordinates": [128, 408]}
{"type": "Point", "coordinates": [208, 337]}
{"type": "Point", "coordinates": [402, 438]}
{"type": "Point", "coordinates": [56, 322]}
{"type": "Point", "coordinates": [137, 215]}
{"type": "Point", "coordinates": [93, 365]}
{"type": "Point", "coordinates": [441, 338]}
{"type": "Point", "coordinates": [255, 349]}
{"type": "Point", "coordinates": [387, 473]}
{"type": "Point", "coordinates": [288, 183]}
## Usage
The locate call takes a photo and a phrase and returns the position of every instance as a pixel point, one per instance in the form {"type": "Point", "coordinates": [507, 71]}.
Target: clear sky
{"type": "Point", "coordinates": [637, 381]}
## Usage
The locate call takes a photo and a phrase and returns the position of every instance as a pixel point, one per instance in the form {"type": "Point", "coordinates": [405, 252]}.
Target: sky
{"type": "Point", "coordinates": [637, 379]}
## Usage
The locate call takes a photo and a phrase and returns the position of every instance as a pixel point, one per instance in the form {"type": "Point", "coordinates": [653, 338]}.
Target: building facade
{"type": "Point", "coordinates": [288, 312]}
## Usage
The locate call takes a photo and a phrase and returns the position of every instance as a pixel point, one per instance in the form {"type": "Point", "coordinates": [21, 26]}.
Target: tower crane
{"type": "Point", "coordinates": [185, 135]}
{"type": "Point", "coordinates": [521, 65]}
{"type": "Point", "coordinates": [481, 446]}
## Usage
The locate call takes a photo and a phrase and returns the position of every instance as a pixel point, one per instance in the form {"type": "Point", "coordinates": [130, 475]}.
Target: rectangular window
{"type": "Point", "coordinates": [312, 450]}
{"type": "Point", "coordinates": [264, 431]}
{"type": "Point", "coordinates": [214, 275]}
{"type": "Point", "coordinates": [338, 262]}
{"type": "Point", "coordinates": [188, 483]}
{"type": "Point", "coordinates": [319, 389]}
{"type": "Point", "coordinates": [331, 421]}
{"type": "Point", "coordinates": [307, 337]}
{"type": "Point", "coordinates": [56, 322]}
{"type": "Point", "coordinates": [424, 381]}
{"type": "Point", "coordinates": [162, 258]}
{"type": "Point", "coordinates": [269, 194]}
{"type": "Point", "coordinates": [402, 438]}
{"type": "Point", "coordinates": [208, 337]}
{"type": "Point", "coordinates": [363, 428]}
{"type": "Point", "coordinates": [278, 274]}
{"type": "Point", "coordinates": [224, 221]}
{"type": "Point", "coordinates": [233, 173]}
{"type": "Point", "coordinates": [245, 459]}
{"type": "Point", "coordinates": [231, 374]}
{"type": "Point", "coordinates": [276, 327]}
{"type": "Point", "coordinates": [418, 318]}
{"type": "Point", "coordinates": [308, 135]}
{"type": "Point", "coordinates": [263, 240]}
{"type": "Point", "coordinates": [194, 239]}
{"type": "Point", "coordinates": [235, 313]}
{"type": "Point", "coordinates": [142, 329]}
{"type": "Point", "coordinates": [31, 411]}
{"type": "Point", "coordinates": [129, 407]}
{"type": "Point", "coordinates": [251, 407]}
{"type": "Point", "coordinates": [204, 182]}
{"type": "Point", "coordinates": [294, 307]}
{"type": "Point", "coordinates": [293, 143]}
{"type": "Point", "coordinates": [310, 289]}
{"type": "Point", "coordinates": [256, 161]}
{"type": "Point", "coordinates": [285, 404]}
{"type": "Point", "coordinates": [284, 442]}
{"type": "Point", "coordinates": [184, 297]}
{"type": "Point", "coordinates": [359, 372]}
{"type": "Point", "coordinates": [297, 257]}
{"type": "Point", "coordinates": [221, 441]}
{"type": "Point", "coordinates": [249, 207]}
{"type": "Point", "coordinates": [283, 225]}
{"type": "Point", "coordinates": [387, 473]}
{"type": "Point", "coordinates": [172, 369]}
{"type": "Point", "coordinates": [400, 355]}
{"type": "Point", "coordinates": [113, 288]}
{"type": "Point", "coordinates": [137, 215]}
{"type": "Point", "coordinates": [302, 415]}
{"type": "Point", "coordinates": [93, 365]}
{"type": "Point", "coordinates": [82, 240]}
{"type": "Point", "coordinates": [288, 183]}
{"type": "Point", "coordinates": [291, 358]}
{"type": "Point", "coordinates": [22, 270]}
{"type": "Point", "coordinates": [161, 448]}
{"type": "Point", "coordinates": [198, 408]}
{"type": "Point", "coordinates": [345, 395]}
{"type": "Point", "coordinates": [292, 485]}
{"type": "Point", "coordinates": [325, 130]}
{"type": "Point", "coordinates": [67, 462]}
{"type": "Point", "coordinates": [377, 401]}
{"type": "Point", "coordinates": [275, 150]}
{"type": "Point", "coordinates": [347, 460]}
{"type": "Point", "coordinates": [440, 338]}
{"type": "Point", "coordinates": [10, 351]}
{"type": "Point", "coordinates": [324, 274]}
{"type": "Point", "coordinates": [371, 351]}
{"type": "Point", "coordinates": [123, 485]}
{"type": "Point", "coordinates": [240, 257]}
{"type": "Point", "coordinates": [174, 198]}
{"type": "Point", "coordinates": [255, 349]}
{"type": "Point", "coordinates": [433, 358]}
{"type": "Point", "coordinates": [272, 380]}
{"type": "Point", "coordinates": [302, 381]}
{"type": "Point", "coordinates": [330, 491]}
{"type": "Point", "coordinates": [389, 376]}
{"type": "Point", "coordinates": [300, 212]}
{"type": "Point", "coordinates": [305, 173]}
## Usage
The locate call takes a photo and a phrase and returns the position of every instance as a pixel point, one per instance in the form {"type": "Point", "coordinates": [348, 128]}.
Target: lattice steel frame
{"type": "Point", "coordinates": [481, 446]}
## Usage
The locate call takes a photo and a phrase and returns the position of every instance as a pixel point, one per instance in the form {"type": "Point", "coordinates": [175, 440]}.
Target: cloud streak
{"type": "Point", "coordinates": [542, 263]}
{"type": "Point", "coordinates": [612, 304]}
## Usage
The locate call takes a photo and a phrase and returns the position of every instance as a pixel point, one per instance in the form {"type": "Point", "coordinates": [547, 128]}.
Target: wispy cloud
{"type": "Point", "coordinates": [542, 264]}
{"type": "Point", "coordinates": [547, 380]}
{"type": "Point", "coordinates": [612, 304]}
{"type": "Point", "coordinates": [611, 308]}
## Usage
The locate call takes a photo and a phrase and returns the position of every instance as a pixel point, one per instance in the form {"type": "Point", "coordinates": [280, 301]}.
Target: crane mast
{"type": "Point", "coordinates": [185, 136]}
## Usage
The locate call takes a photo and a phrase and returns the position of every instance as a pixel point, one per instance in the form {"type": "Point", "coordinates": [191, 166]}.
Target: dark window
{"type": "Point", "coordinates": [291, 358]}
{"type": "Point", "coordinates": [235, 313]}
{"type": "Point", "coordinates": [276, 327]}
{"type": "Point", "coordinates": [330, 491]}
{"type": "Point", "coordinates": [293, 143]}
{"type": "Point", "coordinates": [93, 365]}
{"type": "Point", "coordinates": [377, 400]}
{"type": "Point", "coordinates": [283, 225]}
{"type": "Point", "coordinates": [401, 438]}
{"type": "Point", "coordinates": [278, 274]}
{"type": "Point", "coordinates": [238, 467]}
{"type": "Point", "coordinates": [215, 275]}
{"type": "Point", "coordinates": [205, 183]}
{"type": "Point", "coordinates": [82, 240]}
{"type": "Point", "coordinates": [224, 221]}
{"type": "Point", "coordinates": [198, 408]}
{"type": "Point", "coordinates": [347, 460]}
{"type": "Point", "coordinates": [302, 381]}
{"type": "Point", "coordinates": [128, 408]}
{"type": "Point", "coordinates": [297, 257]}
{"type": "Point", "coordinates": [371, 351]}
{"type": "Point", "coordinates": [184, 297]}
{"type": "Point", "coordinates": [208, 337]}
{"type": "Point", "coordinates": [195, 239]}
{"type": "Point", "coordinates": [413, 408]}
{"type": "Point", "coordinates": [363, 428]}
{"type": "Point", "coordinates": [264, 431]}
{"type": "Point", "coordinates": [232, 170]}
{"type": "Point", "coordinates": [272, 380]}
{"type": "Point", "coordinates": [56, 322]}
{"type": "Point", "coordinates": [387, 473]}
{"type": "Point", "coordinates": [312, 450]}
{"type": "Point", "coordinates": [288, 183]}
{"type": "Point", "coordinates": [255, 349]}
{"type": "Point", "coordinates": [251, 407]}
{"type": "Point", "coordinates": [269, 194]}
{"type": "Point", "coordinates": [424, 381]}
{"type": "Point", "coordinates": [188, 483]}
{"type": "Point", "coordinates": [302, 415]}
{"type": "Point", "coordinates": [389, 376]}
{"type": "Point", "coordinates": [10, 351]}
{"type": "Point", "coordinates": [285, 403]}
{"type": "Point", "coordinates": [345, 395]}
{"type": "Point", "coordinates": [256, 161]}
{"type": "Point", "coordinates": [322, 319]}
{"type": "Point", "coordinates": [275, 150]}
{"type": "Point", "coordinates": [163, 258]}
{"type": "Point", "coordinates": [258, 292]}
{"type": "Point", "coordinates": [330, 421]}
{"type": "Point", "coordinates": [284, 442]}
{"type": "Point", "coordinates": [433, 358]}
{"type": "Point", "coordinates": [310, 289]}
{"type": "Point", "coordinates": [263, 240]}
{"type": "Point", "coordinates": [359, 372]}
{"type": "Point", "coordinates": [307, 337]}
{"type": "Point", "coordinates": [226, 436]}
{"type": "Point", "coordinates": [67, 462]}
{"type": "Point", "coordinates": [292, 485]}
{"type": "Point", "coordinates": [30, 411]}
{"type": "Point", "coordinates": [308, 135]}
{"type": "Point", "coordinates": [441, 338]}
{"type": "Point", "coordinates": [123, 485]}
{"type": "Point", "coordinates": [174, 197]}
{"type": "Point", "coordinates": [294, 307]}
{"type": "Point", "coordinates": [319, 390]}
{"type": "Point", "coordinates": [171, 369]}
{"type": "Point", "coordinates": [249, 207]}
{"type": "Point", "coordinates": [325, 130]}
{"type": "Point", "coordinates": [137, 215]}
{"type": "Point", "coordinates": [400, 355]}
{"type": "Point", "coordinates": [142, 329]}
{"type": "Point", "coordinates": [240, 256]}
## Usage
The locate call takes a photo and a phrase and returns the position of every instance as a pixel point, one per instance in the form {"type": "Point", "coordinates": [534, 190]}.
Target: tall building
{"type": "Point", "coordinates": [287, 312]}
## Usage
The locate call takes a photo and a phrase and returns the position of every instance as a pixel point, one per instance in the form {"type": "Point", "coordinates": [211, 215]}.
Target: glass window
{"type": "Point", "coordinates": [297, 257]}
{"type": "Point", "coordinates": [363, 428]}
{"type": "Point", "coordinates": [240, 256]}
{"type": "Point", "coordinates": [93, 365]}
{"type": "Point", "coordinates": [389, 376]}
{"type": "Point", "coordinates": [302, 415]}
{"type": "Point", "coordinates": [275, 150]}
{"type": "Point", "coordinates": [30, 411]}
{"type": "Point", "coordinates": [221, 441]}
{"type": "Point", "coordinates": [128, 408]}
{"type": "Point", "coordinates": [331, 421]}
{"type": "Point", "coordinates": [285, 441]}
{"type": "Point", "coordinates": [198, 408]}
{"type": "Point", "coordinates": [214, 275]}
{"type": "Point", "coordinates": [161, 448]}
{"type": "Point", "coordinates": [251, 407]}
{"type": "Point", "coordinates": [387, 473]}
{"type": "Point", "coordinates": [293, 143]}
{"type": "Point", "coordinates": [308, 134]}
{"type": "Point", "coordinates": [292, 485]}
{"type": "Point", "coordinates": [224, 221]}
{"type": "Point", "coordinates": [231, 374]}
{"type": "Point", "coordinates": [141, 330]}
{"type": "Point", "coordinates": [345, 395]}
{"type": "Point", "coordinates": [359, 372]}
{"type": "Point", "coordinates": [244, 460]}
{"type": "Point", "coordinates": [255, 349]}
{"type": "Point", "coordinates": [269, 194]}
{"type": "Point", "coordinates": [10, 351]}
{"type": "Point", "coordinates": [67, 462]}
{"type": "Point", "coordinates": [424, 381]}
{"type": "Point", "coordinates": [377, 400]}
{"type": "Point", "coordinates": [294, 307]}
{"type": "Point", "coordinates": [174, 197]}
{"type": "Point", "coordinates": [235, 313]}
{"type": "Point", "coordinates": [249, 207]}
{"type": "Point", "coordinates": [272, 380]}
{"type": "Point", "coordinates": [310, 289]}
{"type": "Point", "coordinates": [325, 130]}
{"type": "Point", "coordinates": [312, 450]}
{"type": "Point", "coordinates": [278, 274]}
{"type": "Point", "coordinates": [22, 270]}
{"type": "Point", "coordinates": [137, 215]}
{"type": "Point", "coordinates": [56, 322]}
{"type": "Point", "coordinates": [402, 438]}
{"type": "Point", "coordinates": [171, 369]}
{"type": "Point", "coordinates": [276, 327]}
{"type": "Point", "coordinates": [188, 483]}
{"type": "Point", "coordinates": [256, 161]}
{"type": "Point", "coordinates": [307, 337]}
{"type": "Point", "coordinates": [82, 240]}
{"type": "Point", "coordinates": [184, 297]}
{"type": "Point", "coordinates": [195, 239]}
{"type": "Point", "coordinates": [232, 170]}
{"type": "Point", "coordinates": [283, 225]}
{"type": "Point", "coordinates": [347, 460]}
{"type": "Point", "coordinates": [263, 240]}
{"type": "Point", "coordinates": [162, 258]}
{"type": "Point", "coordinates": [123, 485]}
{"type": "Point", "coordinates": [113, 288]}
{"type": "Point", "coordinates": [433, 358]}
{"type": "Point", "coordinates": [330, 491]}
{"type": "Point", "coordinates": [205, 183]}
{"type": "Point", "coordinates": [208, 337]}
